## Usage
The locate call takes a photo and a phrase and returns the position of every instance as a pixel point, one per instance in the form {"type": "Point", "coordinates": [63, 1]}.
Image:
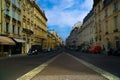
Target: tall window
{"type": "Point", "coordinates": [13, 29]}
{"type": "Point", "coordinates": [7, 10]}
{"type": "Point", "coordinates": [99, 8]}
{"type": "Point", "coordinates": [100, 28]}
{"type": "Point", "coordinates": [13, 13]}
{"type": "Point", "coordinates": [117, 42]}
{"type": "Point", "coordinates": [115, 6]}
{"type": "Point", "coordinates": [106, 12]}
{"type": "Point", "coordinates": [7, 28]}
{"type": "Point", "coordinates": [18, 30]}
{"type": "Point", "coordinates": [106, 27]}
{"type": "Point", "coordinates": [116, 22]}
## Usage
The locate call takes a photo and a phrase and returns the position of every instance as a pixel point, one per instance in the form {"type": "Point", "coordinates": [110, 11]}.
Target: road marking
{"type": "Point", "coordinates": [98, 70]}
{"type": "Point", "coordinates": [35, 71]}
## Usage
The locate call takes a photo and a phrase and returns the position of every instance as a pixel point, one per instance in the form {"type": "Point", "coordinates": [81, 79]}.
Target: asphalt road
{"type": "Point", "coordinates": [14, 67]}
{"type": "Point", "coordinates": [66, 67]}
{"type": "Point", "coordinates": [110, 64]}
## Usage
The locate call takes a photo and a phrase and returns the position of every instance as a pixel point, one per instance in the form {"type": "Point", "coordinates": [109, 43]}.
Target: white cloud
{"type": "Point", "coordinates": [64, 13]}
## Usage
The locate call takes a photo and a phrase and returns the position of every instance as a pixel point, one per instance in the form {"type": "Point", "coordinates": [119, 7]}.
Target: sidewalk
{"type": "Point", "coordinates": [11, 56]}
{"type": "Point", "coordinates": [63, 67]}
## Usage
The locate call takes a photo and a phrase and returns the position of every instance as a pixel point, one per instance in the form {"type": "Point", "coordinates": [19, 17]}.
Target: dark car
{"type": "Point", "coordinates": [35, 49]}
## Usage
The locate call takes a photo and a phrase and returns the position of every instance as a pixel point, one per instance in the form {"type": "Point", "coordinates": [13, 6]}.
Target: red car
{"type": "Point", "coordinates": [95, 49]}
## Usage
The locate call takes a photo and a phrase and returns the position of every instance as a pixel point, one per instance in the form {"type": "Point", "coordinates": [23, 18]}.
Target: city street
{"type": "Point", "coordinates": [64, 66]}
{"type": "Point", "coordinates": [14, 67]}
{"type": "Point", "coordinates": [60, 40]}
{"type": "Point", "coordinates": [107, 63]}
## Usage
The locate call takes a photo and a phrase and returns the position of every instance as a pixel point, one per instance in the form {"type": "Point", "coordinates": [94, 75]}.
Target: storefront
{"type": "Point", "coordinates": [18, 48]}
{"type": "Point", "coordinates": [6, 45]}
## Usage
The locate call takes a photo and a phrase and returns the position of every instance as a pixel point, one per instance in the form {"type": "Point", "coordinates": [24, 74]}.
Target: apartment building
{"type": "Point", "coordinates": [10, 28]}
{"type": "Point", "coordinates": [107, 23]}
{"type": "Point", "coordinates": [40, 27]}
{"type": "Point", "coordinates": [72, 40]}
{"type": "Point", "coordinates": [86, 32]}
{"type": "Point", "coordinates": [101, 26]}
{"type": "Point", "coordinates": [56, 40]}
{"type": "Point", "coordinates": [53, 40]}
{"type": "Point", "coordinates": [22, 24]}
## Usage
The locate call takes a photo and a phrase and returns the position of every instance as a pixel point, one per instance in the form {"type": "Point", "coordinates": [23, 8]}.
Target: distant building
{"type": "Point", "coordinates": [86, 32]}
{"type": "Point", "coordinates": [100, 26]}
{"type": "Point", "coordinates": [72, 40]}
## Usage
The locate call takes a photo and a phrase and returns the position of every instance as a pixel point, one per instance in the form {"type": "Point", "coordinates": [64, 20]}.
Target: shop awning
{"type": "Point", "coordinates": [19, 40]}
{"type": "Point", "coordinates": [4, 40]}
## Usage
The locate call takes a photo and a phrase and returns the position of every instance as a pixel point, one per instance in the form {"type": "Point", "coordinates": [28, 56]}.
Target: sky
{"type": "Point", "coordinates": [63, 14]}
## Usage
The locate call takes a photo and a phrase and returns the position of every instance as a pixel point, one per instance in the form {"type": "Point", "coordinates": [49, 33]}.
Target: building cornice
{"type": "Point", "coordinates": [40, 10]}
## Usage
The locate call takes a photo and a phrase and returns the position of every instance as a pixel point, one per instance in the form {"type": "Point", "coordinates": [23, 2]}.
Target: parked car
{"type": "Point", "coordinates": [35, 49]}
{"type": "Point", "coordinates": [95, 49]}
{"type": "Point", "coordinates": [117, 52]}
{"type": "Point", "coordinates": [113, 52]}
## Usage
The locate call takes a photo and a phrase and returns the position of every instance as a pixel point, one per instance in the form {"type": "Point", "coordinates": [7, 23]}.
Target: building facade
{"type": "Point", "coordinates": [87, 32]}
{"type": "Point", "coordinates": [11, 25]}
{"type": "Point", "coordinates": [107, 23]}
{"type": "Point", "coordinates": [73, 40]}
{"type": "Point", "coordinates": [23, 24]}
{"type": "Point", "coordinates": [53, 41]}
{"type": "Point", "coordinates": [40, 27]}
{"type": "Point", "coordinates": [101, 26]}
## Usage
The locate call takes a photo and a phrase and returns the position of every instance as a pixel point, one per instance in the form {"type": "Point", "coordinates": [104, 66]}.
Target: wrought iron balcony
{"type": "Point", "coordinates": [106, 3]}
{"type": "Point", "coordinates": [116, 30]}
{"type": "Point", "coordinates": [27, 31]}
{"type": "Point", "coordinates": [8, 1]}
{"type": "Point", "coordinates": [106, 33]}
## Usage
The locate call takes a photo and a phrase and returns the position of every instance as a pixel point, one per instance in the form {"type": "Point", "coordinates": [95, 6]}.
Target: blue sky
{"type": "Point", "coordinates": [63, 14]}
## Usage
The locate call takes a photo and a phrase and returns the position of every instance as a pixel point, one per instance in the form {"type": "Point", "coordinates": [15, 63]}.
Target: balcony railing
{"type": "Point", "coordinates": [27, 31]}
{"type": "Point", "coordinates": [8, 1]}
{"type": "Point", "coordinates": [116, 30]}
{"type": "Point", "coordinates": [106, 3]}
{"type": "Point", "coordinates": [7, 14]}
{"type": "Point", "coordinates": [106, 33]}
{"type": "Point", "coordinates": [15, 3]}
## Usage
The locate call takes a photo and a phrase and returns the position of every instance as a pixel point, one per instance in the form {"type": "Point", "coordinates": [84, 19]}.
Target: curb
{"type": "Point", "coordinates": [12, 56]}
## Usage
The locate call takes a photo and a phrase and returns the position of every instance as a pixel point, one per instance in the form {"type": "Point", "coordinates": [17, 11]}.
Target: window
{"type": "Point", "coordinates": [13, 13]}
{"type": "Point", "coordinates": [106, 27]}
{"type": "Point", "coordinates": [7, 9]}
{"type": "Point", "coordinates": [13, 29]}
{"type": "Point", "coordinates": [99, 8]}
{"type": "Point", "coordinates": [115, 6]}
{"type": "Point", "coordinates": [18, 30]}
{"type": "Point", "coordinates": [106, 12]}
{"type": "Point", "coordinates": [7, 28]}
{"type": "Point", "coordinates": [100, 28]}
{"type": "Point", "coordinates": [116, 22]}
{"type": "Point", "coordinates": [117, 42]}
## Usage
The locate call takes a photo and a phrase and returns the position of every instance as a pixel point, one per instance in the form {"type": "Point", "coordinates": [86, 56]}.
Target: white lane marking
{"type": "Point", "coordinates": [35, 71]}
{"type": "Point", "coordinates": [98, 70]}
